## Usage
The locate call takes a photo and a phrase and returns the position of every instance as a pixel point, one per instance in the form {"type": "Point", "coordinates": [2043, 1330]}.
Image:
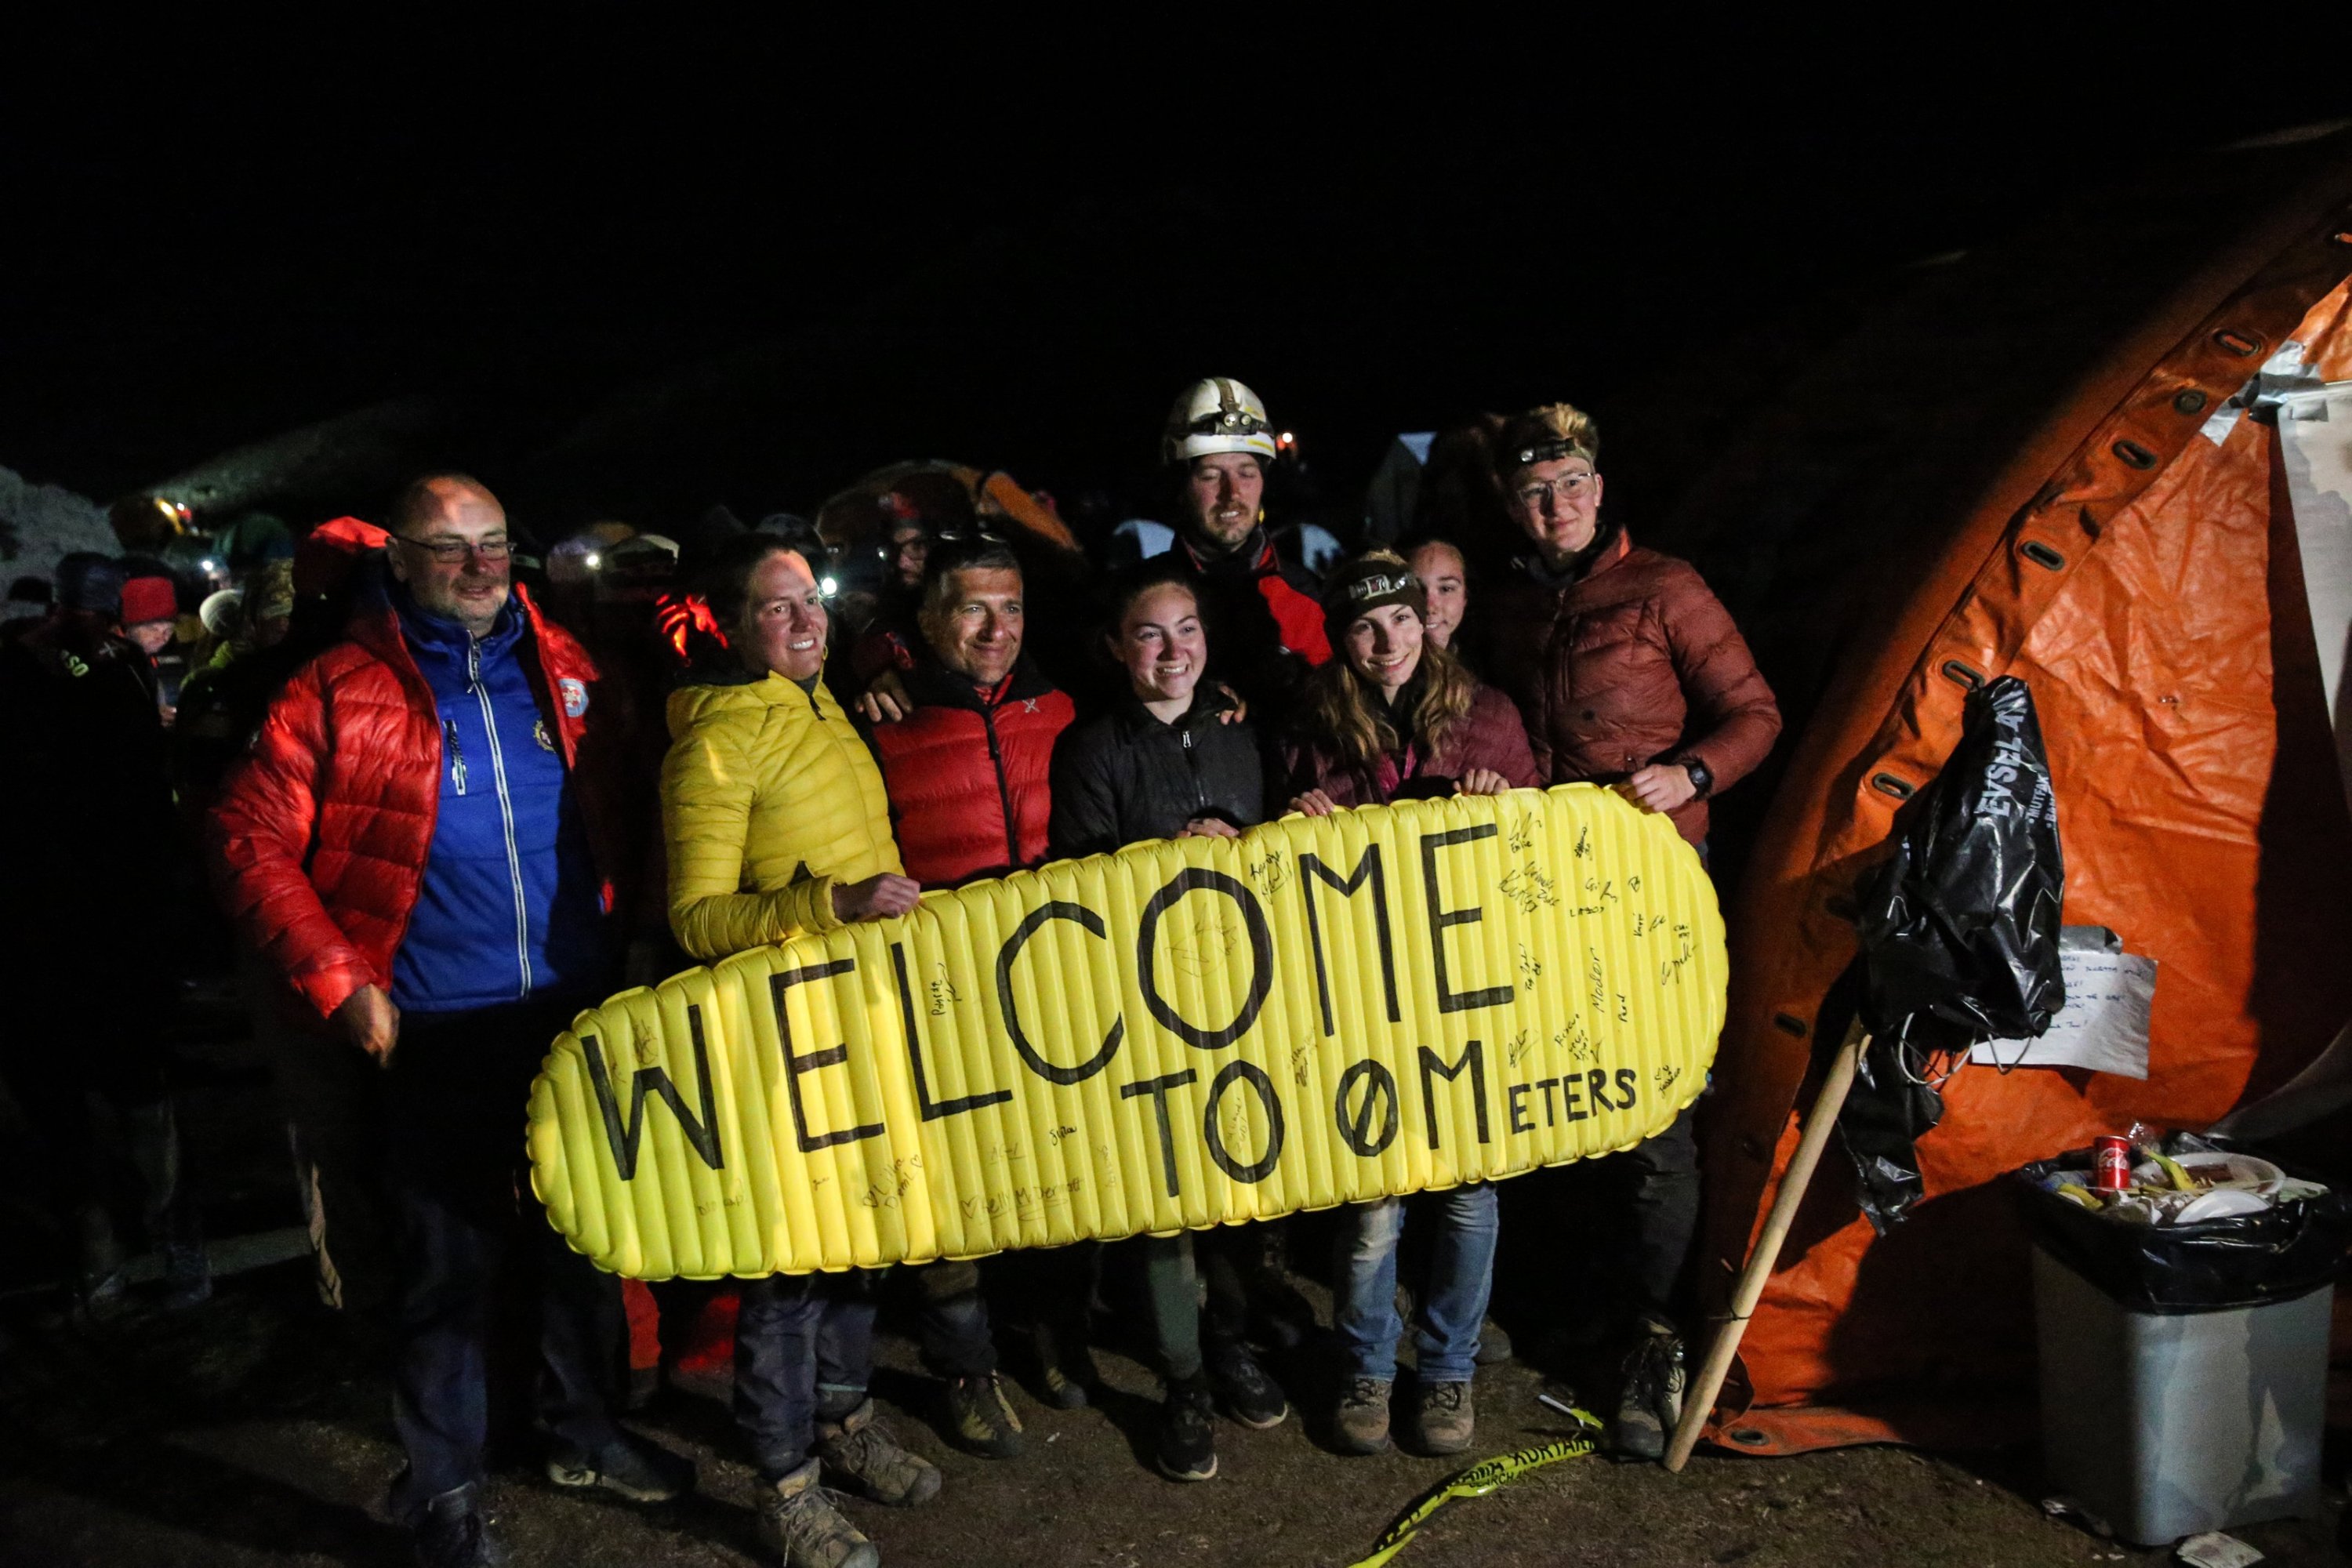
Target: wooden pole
{"type": "Point", "coordinates": [1699, 1400]}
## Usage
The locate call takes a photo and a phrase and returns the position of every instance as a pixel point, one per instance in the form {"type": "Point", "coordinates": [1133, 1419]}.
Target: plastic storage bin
{"type": "Point", "coordinates": [2169, 1424]}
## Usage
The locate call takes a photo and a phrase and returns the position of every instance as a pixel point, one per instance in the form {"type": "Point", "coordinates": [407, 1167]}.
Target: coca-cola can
{"type": "Point", "coordinates": [2111, 1164]}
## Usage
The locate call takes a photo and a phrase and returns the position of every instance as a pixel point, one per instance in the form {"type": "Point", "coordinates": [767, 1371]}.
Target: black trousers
{"type": "Point", "coordinates": [1661, 1217]}
{"type": "Point", "coordinates": [468, 1236]}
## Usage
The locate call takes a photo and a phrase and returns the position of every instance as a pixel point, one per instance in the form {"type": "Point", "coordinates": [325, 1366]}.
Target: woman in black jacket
{"type": "Point", "coordinates": [1171, 761]}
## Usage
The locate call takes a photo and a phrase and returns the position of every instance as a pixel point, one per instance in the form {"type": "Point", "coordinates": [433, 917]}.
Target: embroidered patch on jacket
{"type": "Point", "coordinates": [575, 697]}
{"type": "Point", "coordinates": [538, 733]}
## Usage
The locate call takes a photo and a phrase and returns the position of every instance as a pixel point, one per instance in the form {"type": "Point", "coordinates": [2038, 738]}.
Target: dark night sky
{"type": "Point", "coordinates": [224, 239]}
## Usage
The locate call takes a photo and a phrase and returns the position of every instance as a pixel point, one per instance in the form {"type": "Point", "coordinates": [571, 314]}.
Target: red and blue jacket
{"type": "Point", "coordinates": [323, 841]}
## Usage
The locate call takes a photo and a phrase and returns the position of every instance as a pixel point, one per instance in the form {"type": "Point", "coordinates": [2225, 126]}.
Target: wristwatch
{"type": "Point", "coordinates": [1702, 780]}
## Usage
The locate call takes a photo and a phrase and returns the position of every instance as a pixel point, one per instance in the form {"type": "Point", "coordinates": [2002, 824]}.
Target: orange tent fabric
{"type": "Point", "coordinates": [2098, 542]}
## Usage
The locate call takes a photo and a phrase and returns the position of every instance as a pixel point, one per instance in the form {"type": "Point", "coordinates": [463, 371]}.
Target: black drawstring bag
{"type": "Point", "coordinates": [1959, 937]}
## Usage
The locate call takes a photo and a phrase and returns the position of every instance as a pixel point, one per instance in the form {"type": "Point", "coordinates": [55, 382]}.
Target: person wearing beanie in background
{"type": "Point", "coordinates": [1629, 673]}
{"type": "Point", "coordinates": [421, 849]}
{"type": "Point", "coordinates": [151, 609]}
{"type": "Point", "coordinates": [88, 771]}
{"type": "Point", "coordinates": [1395, 715]}
{"type": "Point", "coordinates": [150, 615]}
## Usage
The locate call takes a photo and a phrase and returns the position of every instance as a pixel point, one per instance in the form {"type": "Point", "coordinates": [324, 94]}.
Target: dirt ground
{"type": "Point", "coordinates": [249, 1432]}
{"type": "Point", "coordinates": [255, 1429]}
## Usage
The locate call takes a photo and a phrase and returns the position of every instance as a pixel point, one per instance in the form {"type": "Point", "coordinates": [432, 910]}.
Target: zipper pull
{"type": "Point", "coordinates": [457, 754]}
{"type": "Point", "coordinates": [1187, 735]}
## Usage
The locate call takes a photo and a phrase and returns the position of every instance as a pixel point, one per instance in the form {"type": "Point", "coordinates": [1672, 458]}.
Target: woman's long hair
{"type": "Point", "coordinates": [1348, 722]}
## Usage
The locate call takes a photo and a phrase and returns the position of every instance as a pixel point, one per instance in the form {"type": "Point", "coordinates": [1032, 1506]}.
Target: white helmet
{"type": "Point", "coordinates": [1218, 415]}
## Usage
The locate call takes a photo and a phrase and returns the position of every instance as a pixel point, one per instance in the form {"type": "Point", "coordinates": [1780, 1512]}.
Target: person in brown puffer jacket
{"type": "Point", "coordinates": [1625, 666]}
{"type": "Point", "coordinates": [1629, 672]}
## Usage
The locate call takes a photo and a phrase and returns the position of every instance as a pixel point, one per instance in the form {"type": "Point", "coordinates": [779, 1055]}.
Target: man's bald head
{"type": "Point", "coordinates": [432, 497]}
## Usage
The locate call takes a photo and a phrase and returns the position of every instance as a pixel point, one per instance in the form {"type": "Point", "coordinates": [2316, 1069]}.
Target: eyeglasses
{"type": "Point", "coordinates": [1567, 488]}
{"type": "Point", "coordinates": [450, 551]}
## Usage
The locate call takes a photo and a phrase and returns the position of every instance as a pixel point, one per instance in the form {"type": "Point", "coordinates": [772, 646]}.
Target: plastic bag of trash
{"type": "Point", "coordinates": [1890, 1108]}
{"type": "Point", "coordinates": [2295, 1242]}
{"type": "Point", "coordinates": [1959, 937]}
{"type": "Point", "coordinates": [1961, 925]}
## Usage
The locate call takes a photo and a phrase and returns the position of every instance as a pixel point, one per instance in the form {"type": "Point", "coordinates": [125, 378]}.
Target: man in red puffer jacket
{"type": "Point", "coordinates": [420, 846]}
{"type": "Point", "coordinates": [967, 767]}
{"type": "Point", "coordinates": [967, 771]}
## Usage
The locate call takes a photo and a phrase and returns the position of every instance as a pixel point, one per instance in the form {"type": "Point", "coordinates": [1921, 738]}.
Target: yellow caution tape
{"type": "Point", "coordinates": [1477, 1481]}
{"type": "Point", "coordinates": [1184, 1034]}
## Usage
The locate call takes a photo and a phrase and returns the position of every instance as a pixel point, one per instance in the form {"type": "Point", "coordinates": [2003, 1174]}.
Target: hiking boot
{"type": "Point", "coordinates": [453, 1532]}
{"type": "Point", "coordinates": [1064, 1369]}
{"type": "Point", "coordinates": [1186, 1448]}
{"type": "Point", "coordinates": [1241, 1385]}
{"type": "Point", "coordinates": [800, 1523]}
{"type": "Point", "coordinates": [1649, 1401]}
{"type": "Point", "coordinates": [1494, 1345]}
{"type": "Point", "coordinates": [1360, 1424]}
{"type": "Point", "coordinates": [632, 1467]}
{"type": "Point", "coordinates": [1443, 1416]}
{"type": "Point", "coordinates": [858, 1448]}
{"type": "Point", "coordinates": [980, 1419]}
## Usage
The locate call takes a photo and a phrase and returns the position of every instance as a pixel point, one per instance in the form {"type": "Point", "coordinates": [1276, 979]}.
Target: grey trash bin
{"type": "Point", "coordinates": [2171, 1423]}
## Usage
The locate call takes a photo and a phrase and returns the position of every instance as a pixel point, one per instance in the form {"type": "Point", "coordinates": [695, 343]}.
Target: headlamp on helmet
{"type": "Point", "coordinates": [1217, 415]}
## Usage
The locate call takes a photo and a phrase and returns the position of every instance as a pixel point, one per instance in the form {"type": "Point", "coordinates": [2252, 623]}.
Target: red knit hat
{"type": "Point", "coordinates": [149, 599]}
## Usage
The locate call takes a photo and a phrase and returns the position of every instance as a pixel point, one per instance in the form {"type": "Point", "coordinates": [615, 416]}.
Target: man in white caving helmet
{"type": "Point", "coordinates": [1265, 619]}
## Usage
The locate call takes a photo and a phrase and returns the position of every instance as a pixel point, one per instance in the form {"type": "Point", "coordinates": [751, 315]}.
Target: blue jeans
{"type": "Point", "coordinates": [804, 1351]}
{"type": "Point", "coordinates": [1451, 1310]}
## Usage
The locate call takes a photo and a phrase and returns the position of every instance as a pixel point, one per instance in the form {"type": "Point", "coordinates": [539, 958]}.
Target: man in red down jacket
{"type": "Point", "coordinates": [418, 847]}
{"type": "Point", "coordinates": [966, 770]}
{"type": "Point", "coordinates": [1630, 673]}
{"type": "Point", "coordinates": [967, 767]}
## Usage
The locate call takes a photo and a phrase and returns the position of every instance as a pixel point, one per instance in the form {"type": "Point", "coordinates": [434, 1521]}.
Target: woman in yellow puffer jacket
{"type": "Point", "coordinates": [777, 824]}
{"type": "Point", "coordinates": [773, 809]}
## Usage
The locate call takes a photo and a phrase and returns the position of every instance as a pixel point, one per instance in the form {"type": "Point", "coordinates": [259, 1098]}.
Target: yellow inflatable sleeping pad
{"type": "Point", "coordinates": [1183, 1033]}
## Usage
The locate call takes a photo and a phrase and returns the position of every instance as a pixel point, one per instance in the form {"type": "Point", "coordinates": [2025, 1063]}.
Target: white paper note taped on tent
{"type": "Point", "coordinates": [2103, 1024]}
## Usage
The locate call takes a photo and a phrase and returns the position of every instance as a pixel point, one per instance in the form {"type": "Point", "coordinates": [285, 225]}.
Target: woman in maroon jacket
{"type": "Point", "coordinates": [1395, 714]}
